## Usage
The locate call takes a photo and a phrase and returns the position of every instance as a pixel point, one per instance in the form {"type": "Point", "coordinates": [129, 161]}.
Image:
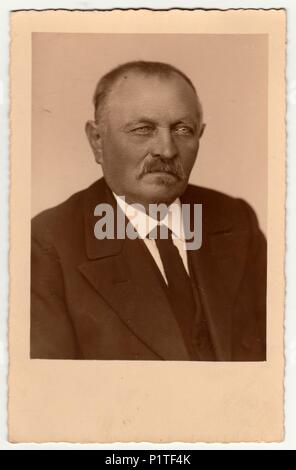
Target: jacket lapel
{"type": "Point", "coordinates": [217, 268]}
{"type": "Point", "coordinates": [217, 290]}
{"type": "Point", "coordinates": [122, 272]}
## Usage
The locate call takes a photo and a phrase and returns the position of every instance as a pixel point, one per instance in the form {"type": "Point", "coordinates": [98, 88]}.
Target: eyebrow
{"type": "Point", "coordinates": [146, 120]}
{"type": "Point", "coordinates": [138, 121]}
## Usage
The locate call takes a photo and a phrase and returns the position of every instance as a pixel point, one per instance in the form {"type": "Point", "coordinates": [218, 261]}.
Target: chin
{"type": "Point", "coordinates": [163, 190]}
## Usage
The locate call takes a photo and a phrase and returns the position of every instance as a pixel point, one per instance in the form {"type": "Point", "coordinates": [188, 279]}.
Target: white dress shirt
{"type": "Point", "coordinates": [144, 224]}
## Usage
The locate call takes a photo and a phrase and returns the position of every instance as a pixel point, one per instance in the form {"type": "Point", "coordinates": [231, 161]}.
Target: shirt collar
{"type": "Point", "coordinates": [144, 223]}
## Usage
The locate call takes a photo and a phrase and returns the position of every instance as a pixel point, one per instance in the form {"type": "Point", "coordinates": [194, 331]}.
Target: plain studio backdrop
{"type": "Point", "coordinates": [230, 75]}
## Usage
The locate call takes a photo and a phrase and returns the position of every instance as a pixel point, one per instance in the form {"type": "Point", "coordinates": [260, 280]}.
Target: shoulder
{"type": "Point", "coordinates": [208, 196]}
{"type": "Point", "coordinates": [220, 209]}
{"type": "Point", "coordinates": [64, 217]}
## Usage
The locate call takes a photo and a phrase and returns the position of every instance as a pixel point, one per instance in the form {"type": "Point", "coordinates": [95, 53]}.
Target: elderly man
{"type": "Point", "coordinates": [147, 297]}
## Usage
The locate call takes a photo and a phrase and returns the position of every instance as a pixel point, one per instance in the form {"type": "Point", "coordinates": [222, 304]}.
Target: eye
{"type": "Point", "coordinates": [183, 130]}
{"type": "Point", "coordinates": [142, 130]}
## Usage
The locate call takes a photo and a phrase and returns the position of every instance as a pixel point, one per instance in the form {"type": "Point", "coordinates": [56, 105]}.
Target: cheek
{"type": "Point", "coordinates": [123, 152]}
{"type": "Point", "coordinates": [187, 152]}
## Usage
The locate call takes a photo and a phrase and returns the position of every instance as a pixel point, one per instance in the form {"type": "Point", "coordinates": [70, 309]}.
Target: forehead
{"type": "Point", "coordinates": [136, 94]}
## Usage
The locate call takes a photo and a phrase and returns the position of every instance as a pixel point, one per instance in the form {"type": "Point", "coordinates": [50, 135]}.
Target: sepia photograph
{"type": "Point", "coordinates": [165, 109]}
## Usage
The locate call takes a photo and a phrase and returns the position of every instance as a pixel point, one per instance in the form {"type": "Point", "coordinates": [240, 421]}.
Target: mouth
{"type": "Point", "coordinates": [163, 173]}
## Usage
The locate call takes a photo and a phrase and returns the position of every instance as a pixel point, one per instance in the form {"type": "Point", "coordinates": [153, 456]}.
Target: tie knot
{"type": "Point", "coordinates": [160, 232]}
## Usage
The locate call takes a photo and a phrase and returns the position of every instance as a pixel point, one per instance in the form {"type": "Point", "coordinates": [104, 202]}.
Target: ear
{"type": "Point", "coordinates": [202, 130]}
{"type": "Point", "coordinates": [95, 140]}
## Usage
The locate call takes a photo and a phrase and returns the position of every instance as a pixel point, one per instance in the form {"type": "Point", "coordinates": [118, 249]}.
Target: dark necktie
{"type": "Point", "coordinates": [179, 289]}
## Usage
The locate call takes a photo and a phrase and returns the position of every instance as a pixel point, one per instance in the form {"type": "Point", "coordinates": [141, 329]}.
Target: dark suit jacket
{"type": "Point", "coordinates": [101, 299]}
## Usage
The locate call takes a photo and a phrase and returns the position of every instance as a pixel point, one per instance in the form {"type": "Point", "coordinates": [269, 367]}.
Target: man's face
{"type": "Point", "coordinates": [148, 137]}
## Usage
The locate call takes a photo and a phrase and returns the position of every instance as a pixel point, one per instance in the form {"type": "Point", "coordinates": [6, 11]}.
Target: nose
{"type": "Point", "coordinates": [164, 145]}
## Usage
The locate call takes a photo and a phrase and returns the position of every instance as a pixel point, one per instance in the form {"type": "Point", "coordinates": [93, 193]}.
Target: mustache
{"type": "Point", "coordinates": [158, 164]}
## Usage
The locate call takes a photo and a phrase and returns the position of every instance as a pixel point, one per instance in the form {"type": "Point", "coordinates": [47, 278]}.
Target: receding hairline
{"type": "Point", "coordinates": [143, 68]}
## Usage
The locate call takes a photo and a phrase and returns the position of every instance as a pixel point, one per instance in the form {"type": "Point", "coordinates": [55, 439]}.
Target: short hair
{"type": "Point", "coordinates": [159, 69]}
